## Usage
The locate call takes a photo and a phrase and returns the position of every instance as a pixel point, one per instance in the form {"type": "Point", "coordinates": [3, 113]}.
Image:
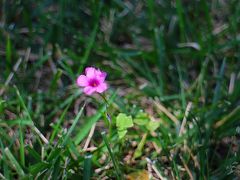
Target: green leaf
{"type": "Point", "coordinates": [122, 133]}
{"type": "Point", "coordinates": [141, 119]}
{"type": "Point", "coordinates": [123, 122]}
{"type": "Point", "coordinates": [153, 125]}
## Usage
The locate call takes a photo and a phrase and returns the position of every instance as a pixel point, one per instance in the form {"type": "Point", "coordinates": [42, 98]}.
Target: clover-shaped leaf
{"type": "Point", "coordinates": [123, 122]}
{"type": "Point", "coordinates": [153, 125]}
{"type": "Point", "coordinates": [141, 119]}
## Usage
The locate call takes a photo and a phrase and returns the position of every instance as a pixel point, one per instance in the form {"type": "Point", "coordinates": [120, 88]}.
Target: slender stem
{"type": "Point", "coordinates": [106, 113]}
{"type": "Point", "coordinates": [116, 167]}
{"type": "Point", "coordinates": [104, 98]}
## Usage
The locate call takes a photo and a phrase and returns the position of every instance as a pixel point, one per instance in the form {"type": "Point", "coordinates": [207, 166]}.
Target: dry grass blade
{"type": "Point", "coordinates": [165, 111]}
{"type": "Point", "coordinates": [9, 78]}
{"type": "Point", "coordinates": [155, 169]}
{"type": "Point", "coordinates": [225, 119]}
{"type": "Point", "coordinates": [194, 158]}
{"type": "Point", "coordinates": [187, 169]}
{"type": "Point", "coordinates": [189, 106]}
{"type": "Point", "coordinates": [2, 177]}
{"type": "Point", "coordinates": [89, 137]}
{"type": "Point", "coordinates": [232, 83]}
{"type": "Point", "coordinates": [40, 135]}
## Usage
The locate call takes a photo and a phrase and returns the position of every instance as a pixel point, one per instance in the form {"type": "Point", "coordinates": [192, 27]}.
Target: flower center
{"type": "Point", "coordinates": [94, 82]}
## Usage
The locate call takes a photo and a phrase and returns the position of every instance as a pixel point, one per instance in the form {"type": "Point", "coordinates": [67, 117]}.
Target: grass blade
{"type": "Point", "coordinates": [8, 52]}
{"type": "Point", "coordinates": [180, 19]}
{"type": "Point", "coordinates": [22, 154]}
{"type": "Point", "coordinates": [219, 83]}
{"type": "Point", "coordinates": [5, 169]}
{"type": "Point", "coordinates": [29, 117]}
{"type": "Point", "coordinates": [33, 153]}
{"type": "Point", "coordinates": [183, 96]}
{"type": "Point", "coordinates": [54, 82]}
{"type": "Point", "coordinates": [160, 49]}
{"type": "Point", "coordinates": [73, 126]}
{"type": "Point", "coordinates": [14, 122]}
{"type": "Point", "coordinates": [87, 167]}
{"type": "Point", "coordinates": [14, 162]}
{"type": "Point", "coordinates": [57, 127]}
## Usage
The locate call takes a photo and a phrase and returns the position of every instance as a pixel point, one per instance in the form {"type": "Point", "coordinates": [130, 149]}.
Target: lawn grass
{"type": "Point", "coordinates": [173, 76]}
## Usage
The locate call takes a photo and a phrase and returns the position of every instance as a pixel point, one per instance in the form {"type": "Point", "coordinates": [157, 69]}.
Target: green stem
{"type": "Point", "coordinates": [104, 98]}
{"type": "Point", "coordinates": [116, 167]}
{"type": "Point", "coordinates": [106, 113]}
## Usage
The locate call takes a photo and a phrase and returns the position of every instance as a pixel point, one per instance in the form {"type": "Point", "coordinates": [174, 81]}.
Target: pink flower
{"type": "Point", "coordinates": [92, 81]}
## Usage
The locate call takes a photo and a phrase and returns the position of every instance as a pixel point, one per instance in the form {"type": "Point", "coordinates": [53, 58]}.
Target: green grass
{"type": "Point", "coordinates": [173, 68]}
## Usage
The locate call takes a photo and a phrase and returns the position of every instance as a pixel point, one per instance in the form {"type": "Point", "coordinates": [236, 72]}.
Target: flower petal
{"type": "Point", "coordinates": [82, 81]}
{"type": "Point", "coordinates": [90, 72]}
{"type": "Point", "coordinates": [89, 90]}
{"type": "Point", "coordinates": [101, 75]}
{"type": "Point", "coordinates": [101, 87]}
